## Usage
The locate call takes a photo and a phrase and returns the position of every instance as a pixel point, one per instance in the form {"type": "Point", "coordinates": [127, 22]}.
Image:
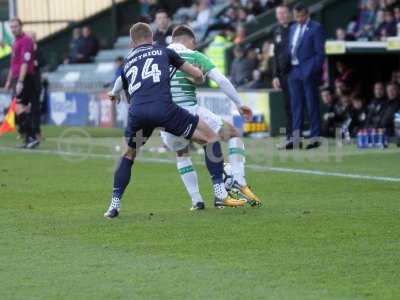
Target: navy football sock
{"type": "Point", "coordinates": [122, 177]}
{"type": "Point", "coordinates": [214, 161]}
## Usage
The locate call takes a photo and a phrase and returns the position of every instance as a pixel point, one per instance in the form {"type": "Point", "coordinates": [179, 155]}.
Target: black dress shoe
{"type": "Point", "coordinates": [290, 146]}
{"type": "Point", "coordinates": [313, 145]}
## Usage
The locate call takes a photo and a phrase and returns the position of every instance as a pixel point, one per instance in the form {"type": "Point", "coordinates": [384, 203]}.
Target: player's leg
{"type": "Point", "coordinates": [231, 135]}
{"type": "Point", "coordinates": [189, 177]}
{"type": "Point", "coordinates": [185, 167]}
{"type": "Point", "coordinates": [122, 176]}
{"type": "Point", "coordinates": [182, 123]}
{"type": "Point", "coordinates": [215, 164]}
{"type": "Point", "coordinates": [135, 138]}
{"type": "Point", "coordinates": [237, 160]}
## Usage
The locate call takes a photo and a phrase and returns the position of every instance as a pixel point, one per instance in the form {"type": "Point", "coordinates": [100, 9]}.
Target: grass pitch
{"type": "Point", "coordinates": [316, 237]}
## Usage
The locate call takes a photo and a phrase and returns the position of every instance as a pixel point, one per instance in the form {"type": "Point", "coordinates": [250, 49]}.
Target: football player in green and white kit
{"type": "Point", "coordinates": [184, 94]}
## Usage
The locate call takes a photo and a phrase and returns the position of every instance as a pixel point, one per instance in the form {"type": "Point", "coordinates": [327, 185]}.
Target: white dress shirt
{"type": "Point", "coordinates": [298, 35]}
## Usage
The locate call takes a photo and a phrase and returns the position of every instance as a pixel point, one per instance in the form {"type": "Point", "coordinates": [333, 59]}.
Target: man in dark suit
{"type": "Point", "coordinates": [281, 64]}
{"type": "Point", "coordinates": [307, 55]}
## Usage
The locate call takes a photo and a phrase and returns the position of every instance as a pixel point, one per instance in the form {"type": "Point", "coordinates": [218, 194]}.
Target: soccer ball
{"type": "Point", "coordinates": [228, 176]}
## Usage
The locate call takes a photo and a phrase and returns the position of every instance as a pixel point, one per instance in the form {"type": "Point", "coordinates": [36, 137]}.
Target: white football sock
{"type": "Point", "coordinates": [237, 159]}
{"type": "Point", "coordinates": [220, 191]}
{"type": "Point", "coordinates": [189, 178]}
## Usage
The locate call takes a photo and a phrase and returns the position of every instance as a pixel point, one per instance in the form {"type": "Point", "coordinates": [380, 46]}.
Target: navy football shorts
{"type": "Point", "coordinates": [144, 118]}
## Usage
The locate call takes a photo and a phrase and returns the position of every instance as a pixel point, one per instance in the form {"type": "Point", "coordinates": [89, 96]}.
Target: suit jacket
{"type": "Point", "coordinates": [311, 50]}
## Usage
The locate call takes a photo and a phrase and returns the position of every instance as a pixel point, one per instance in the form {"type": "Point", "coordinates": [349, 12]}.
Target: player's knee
{"type": "Point", "coordinates": [211, 137]}
{"type": "Point", "coordinates": [130, 153]}
{"type": "Point", "coordinates": [182, 153]}
{"type": "Point", "coordinates": [228, 131]}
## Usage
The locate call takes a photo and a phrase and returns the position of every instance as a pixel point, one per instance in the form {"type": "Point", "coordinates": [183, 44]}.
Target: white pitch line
{"type": "Point", "coordinates": [171, 161]}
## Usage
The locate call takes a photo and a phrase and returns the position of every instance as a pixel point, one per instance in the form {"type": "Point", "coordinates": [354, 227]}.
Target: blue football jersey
{"type": "Point", "coordinates": [147, 73]}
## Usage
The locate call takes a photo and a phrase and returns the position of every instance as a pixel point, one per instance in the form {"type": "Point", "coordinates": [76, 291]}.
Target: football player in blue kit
{"type": "Point", "coordinates": [146, 76]}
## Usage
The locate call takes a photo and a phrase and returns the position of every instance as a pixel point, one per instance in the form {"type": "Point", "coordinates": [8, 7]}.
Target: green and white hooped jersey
{"type": "Point", "coordinates": [182, 89]}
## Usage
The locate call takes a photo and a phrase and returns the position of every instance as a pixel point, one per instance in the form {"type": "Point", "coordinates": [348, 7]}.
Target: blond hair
{"type": "Point", "coordinates": [140, 32]}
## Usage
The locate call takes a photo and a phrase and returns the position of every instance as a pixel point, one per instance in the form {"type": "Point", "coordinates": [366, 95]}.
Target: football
{"type": "Point", "coordinates": [228, 176]}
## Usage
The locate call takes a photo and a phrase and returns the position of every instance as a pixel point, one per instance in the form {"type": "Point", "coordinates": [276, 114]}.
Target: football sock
{"type": "Point", "coordinates": [122, 177]}
{"type": "Point", "coordinates": [189, 178]}
{"type": "Point", "coordinates": [237, 159]}
{"type": "Point", "coordinates": [215, 166]}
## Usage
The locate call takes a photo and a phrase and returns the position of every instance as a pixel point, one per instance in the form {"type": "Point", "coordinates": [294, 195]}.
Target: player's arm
{"type": "Point", "coordinates": [229, 90]}
{"type": "Point", "coordinates": [178, 62]}
{"type": "Point", "coordinates": [194, 72]}
{"type": "Point", "coordinates": [119, 86]}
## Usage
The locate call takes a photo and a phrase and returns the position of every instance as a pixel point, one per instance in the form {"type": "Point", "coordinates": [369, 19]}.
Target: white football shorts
{"type": "Point", "coordinates": [176, 143]}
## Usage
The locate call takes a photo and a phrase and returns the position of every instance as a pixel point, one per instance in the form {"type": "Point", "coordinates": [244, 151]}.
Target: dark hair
{"type": "Point", "coordinates": [327, 89]}
{"type": "Point", "coordinates": [300, 7]}
{"type": "Point", "coordinates": [18, 20]}
{"type": "Point", "coordinates": [161, 11]}
{"type": "Point", "coordinates": [119, 58]}
{"type": "Point", "coordinates": [183, 30]}
{"type": "Point", "coordinates": [346, 92]}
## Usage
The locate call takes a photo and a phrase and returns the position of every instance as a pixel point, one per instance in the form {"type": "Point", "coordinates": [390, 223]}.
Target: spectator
{"type": "Point", "coordinates": [265, 62]}
{"type": "Point", "coordinates": [254, 7]}
{"type": "Point", "coordinates": [89, 46]}
{"type": "Point", "coordinates": [339, 87]}
{"type": "Point", "coordinates": [242, 16]}
{"type": "Point", "coordinates": [367, 20]}
{"type": "Point", "coordinates": [243, 65]}
{"type": "Point", "coordinates": [347, 75]}
{"type": "Point", "coordinates": [396, 77]}
{"type": "Point", "coordinates": [358, 115]}
{"type": "Point", "coordinates": [328, 125]}
{"type": "Point", "coordinates": [240, 35]}
{"type": "Point", "coordinates": [307, 55]}
{"type": "Point", "coordinates": [380, 18]}
{"type": "Point", "coordinates": [396, 11]}
{"type": "Point", "coordinates": [388, 27]}
{"type": "Point", "coordinates": [163, 32]}
{"type": "Point", "coordinates": [342, 35]}
{"type": "Point", "coordinates": [375, 107]}
{"type": "Point", "coordinates": [257, 81]}
{"type": "Point", "coordinates": [201, 23]}
{"type": "Point", "coordinates": [338, 115]}
{"type": "Point", "coordinates": [74, 47]}
{"type": "Point", "coordinates": [238, 64]}
{"type": "Point", "coordinates": [392, 105]}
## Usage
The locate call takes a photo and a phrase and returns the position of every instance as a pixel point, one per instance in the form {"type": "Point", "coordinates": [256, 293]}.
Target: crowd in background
{"type": "Point", "coordinates": [349, 108]}
{"type": "Point", "coordinates": [83, 47]}
{"type": "Point", "coordinates": [220, 29]}
{"type": "Point", "coordinates": [376, 21]}
{"type": "Point", "coordinates": [351, 111]}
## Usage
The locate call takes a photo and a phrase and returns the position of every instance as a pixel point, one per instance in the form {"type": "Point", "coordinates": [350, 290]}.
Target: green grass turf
{"type": "Point", "coordinates": [316, 237]}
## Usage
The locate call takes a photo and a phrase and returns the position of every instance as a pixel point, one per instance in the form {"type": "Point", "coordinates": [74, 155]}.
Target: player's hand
{"type": "Point", "coordinates": [276, 83]}
{"type": "Point", "coordinates": [19, 87]}
{"type": "Point", "coordinates": [246, 112]}
{"type": "Point", "coordinates": [113, 97]}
